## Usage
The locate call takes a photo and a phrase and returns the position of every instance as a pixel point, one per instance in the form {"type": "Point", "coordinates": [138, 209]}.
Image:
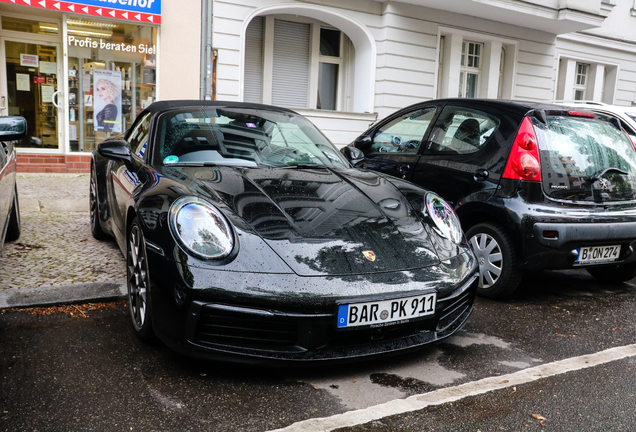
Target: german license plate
{"type": "Point", "coordinates": [598, 254]}
{"type": "Point", "coordinates": [386, 312]}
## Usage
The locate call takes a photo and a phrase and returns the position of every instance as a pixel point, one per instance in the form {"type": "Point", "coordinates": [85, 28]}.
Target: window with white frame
{"type": "Point", "coordinates": [470, 69]}
{"type": "Point", "coordinates": [583, 79]}
{"type": "Point", "coordinates": [475, 65]}
{"type": "Point", "coordinates": [580, 82]}
{"type": "Point", "coordinates": [304, 67]}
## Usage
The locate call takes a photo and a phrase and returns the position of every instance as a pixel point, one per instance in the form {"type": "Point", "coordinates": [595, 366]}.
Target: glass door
{"type": "Point", "coordinates": [31, 71]}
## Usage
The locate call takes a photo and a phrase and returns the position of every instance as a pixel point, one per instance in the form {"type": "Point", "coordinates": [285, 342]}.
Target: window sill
{"type": "Point", "coordinates": [371, 117]}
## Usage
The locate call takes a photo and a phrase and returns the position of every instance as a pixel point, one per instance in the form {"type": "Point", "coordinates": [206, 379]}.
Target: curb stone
{"type": "Point", "coordinates": [60, 295]}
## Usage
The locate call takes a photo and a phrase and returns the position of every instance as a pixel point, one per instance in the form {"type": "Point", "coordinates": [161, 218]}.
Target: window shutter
{"type": "Point", "coordinates": [290, 78]}
{"type": "Point", "coordinates": [253, 87]}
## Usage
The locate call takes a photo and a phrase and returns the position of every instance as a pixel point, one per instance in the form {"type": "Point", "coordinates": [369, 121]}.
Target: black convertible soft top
{"type": "Point", "coordinates": [172, 104]}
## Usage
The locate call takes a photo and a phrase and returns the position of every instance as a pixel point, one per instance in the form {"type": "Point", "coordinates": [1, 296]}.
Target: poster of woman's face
{"type": "Point", "coordinates": [107, 100]}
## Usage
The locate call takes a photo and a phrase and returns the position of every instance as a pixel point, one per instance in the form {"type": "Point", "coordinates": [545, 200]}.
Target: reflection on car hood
{"type": "Point", "coordinates": [322, 221]}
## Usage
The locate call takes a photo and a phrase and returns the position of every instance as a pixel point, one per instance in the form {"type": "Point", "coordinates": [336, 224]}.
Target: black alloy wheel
{"type": "Point", "coordinates": [15, 226]}
{"type": "Point", "coordinates": [613, 274]}
{"type": "Point", "coordinates": [138, 282]}
{"type": "Point", "coordinates": [499, 269]}
{"type": "Point", "coordinates": [96, 228]}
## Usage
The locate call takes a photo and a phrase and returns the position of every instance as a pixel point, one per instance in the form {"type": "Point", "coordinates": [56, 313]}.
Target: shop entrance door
{"type": "Point", "coordinates": [31, 74]}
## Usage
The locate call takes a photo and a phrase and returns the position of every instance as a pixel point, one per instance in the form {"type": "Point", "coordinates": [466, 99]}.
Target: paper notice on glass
{"type": "Point", "coordinates": [72, 132]}
{"type": "Point", "coordinates": [48, 67]}
{"type": "Point", "coordinates": [47, 93]}
{"type": "Point", "coordinates": [22, 82]}
{"type": "Point", "coordinates": [86, 82]}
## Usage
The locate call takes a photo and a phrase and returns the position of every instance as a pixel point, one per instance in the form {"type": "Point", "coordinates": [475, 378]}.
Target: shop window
{"type": "Point", "coordinates": [29, 26]}
{"type": "Point", "coordinates": [292, 71]}
{"type": "Point", "coordinates": [112, 78]}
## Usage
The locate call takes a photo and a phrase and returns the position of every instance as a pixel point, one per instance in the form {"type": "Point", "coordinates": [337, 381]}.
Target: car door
{"type": "Point", "coordinates": [124, 180]}
{"type": "Point", "coordinates": [393, 146]}
{"type": "Point", "coordinates": [464, 153]}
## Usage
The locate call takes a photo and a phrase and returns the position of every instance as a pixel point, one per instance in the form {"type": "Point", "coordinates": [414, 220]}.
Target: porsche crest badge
{"type": "Point", "coordinates": [369, 255]}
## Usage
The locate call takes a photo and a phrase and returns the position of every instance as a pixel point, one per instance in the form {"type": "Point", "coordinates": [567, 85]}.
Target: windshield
{"type": "Point", "coordinates": [586, 159]}
{"type": "Point", "coordinates": [243, 137]}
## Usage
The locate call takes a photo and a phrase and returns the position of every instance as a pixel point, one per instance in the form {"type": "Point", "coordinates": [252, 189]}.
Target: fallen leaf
{"type": "Point", "coordinates": [539, 417]}
{"type": "Point", "coordinates": [315, 388]}
{"type": "Point", "coordinates": [505, 382]}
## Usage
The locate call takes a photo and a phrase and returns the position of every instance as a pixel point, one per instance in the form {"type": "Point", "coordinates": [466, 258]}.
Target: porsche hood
{"type": "Point", "coordinates": [322, 221]}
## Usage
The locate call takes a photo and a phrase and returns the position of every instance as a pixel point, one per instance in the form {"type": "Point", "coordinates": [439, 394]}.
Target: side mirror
{"type": "Point", "coordinates": [116, 150]}
{"type": "Point", "coordinates": [363, 142]}
{"type": "Point", "coordinates": [12, 128]}
{"type": "Point", "coordinates": [353, 154]}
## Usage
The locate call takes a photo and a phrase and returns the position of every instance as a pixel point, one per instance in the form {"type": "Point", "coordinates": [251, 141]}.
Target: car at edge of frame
{"type": "Point", "coordinates": [12, 128]}
{"type": "Point", "coordinates": [248, 237]}
{"type": "Point", "coordinates": [536, 186]}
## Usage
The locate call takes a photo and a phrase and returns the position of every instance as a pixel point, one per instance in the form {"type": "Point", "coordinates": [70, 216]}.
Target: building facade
{"type": "Point", "coordinates": [80, 71]}
{"type": "Point", "coordinates": [345, 64]}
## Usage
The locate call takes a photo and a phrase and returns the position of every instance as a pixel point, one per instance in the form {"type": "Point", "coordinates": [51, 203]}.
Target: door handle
{"type": "Point", "coordinates": [3, 103]}
{"type": "Point", "coordinates": [53, 98]}
{"type": "Point", "coordinates": [481, 175]}
{"type": "Point", "coordinates": [404, 169]}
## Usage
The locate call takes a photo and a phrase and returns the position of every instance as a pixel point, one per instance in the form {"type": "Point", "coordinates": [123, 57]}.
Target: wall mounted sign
{"type": "Point", "coordinates": [146, 11]}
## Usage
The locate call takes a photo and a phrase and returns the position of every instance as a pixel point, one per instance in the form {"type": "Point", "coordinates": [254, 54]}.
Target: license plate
{"type": "Point", "coordinates": [598, 254]}
{"type": "Point", "coordinates": [383, 313]}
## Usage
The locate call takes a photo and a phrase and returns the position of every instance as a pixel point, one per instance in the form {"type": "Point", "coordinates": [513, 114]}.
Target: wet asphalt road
{"type": "Point", "coordinates": [63, 373]}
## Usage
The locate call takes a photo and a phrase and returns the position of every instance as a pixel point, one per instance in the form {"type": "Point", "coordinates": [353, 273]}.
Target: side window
{"type": "Point", "coordinates": [138, 139]}
{"type": "Point", "coordinates": [462, 131]}
{"type": "Point", "coordinates": [403, 134]}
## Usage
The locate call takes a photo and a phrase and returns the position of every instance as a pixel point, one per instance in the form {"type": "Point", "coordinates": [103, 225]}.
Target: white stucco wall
{"type": "Point", "coordinates": [179, 50]}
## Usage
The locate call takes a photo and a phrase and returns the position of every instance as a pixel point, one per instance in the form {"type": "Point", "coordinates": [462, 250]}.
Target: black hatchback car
{"type": "Point", "coordinates": [536, 186]}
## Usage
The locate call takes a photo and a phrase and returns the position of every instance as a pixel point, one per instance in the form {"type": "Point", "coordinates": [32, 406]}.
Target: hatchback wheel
{"type": "Point", "coordinates": [93, 198]}
{"type": "Point", "coordinates": [614, 274]}
{"type": "Point", "coordinates": [138, 282]}
{"type": "Point", "coordinates": [499, 269]}
{"type": "Point", "coordinates": [14, 227]}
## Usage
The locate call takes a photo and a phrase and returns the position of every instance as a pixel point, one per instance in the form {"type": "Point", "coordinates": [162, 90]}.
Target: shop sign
{"type": "Point", "coordinates": [87, 42]}
{"type": "Point", "coordinates": [146, 11]}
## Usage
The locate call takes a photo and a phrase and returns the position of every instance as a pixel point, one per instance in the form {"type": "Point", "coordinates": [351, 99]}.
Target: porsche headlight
{"type": "Point", "coordinates": [444, 218]}
{"type": "Point", "coordinates": [200, 228]}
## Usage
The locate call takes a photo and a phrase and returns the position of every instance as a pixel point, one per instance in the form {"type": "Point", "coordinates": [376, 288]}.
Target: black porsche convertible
{"type": "Point", "coordinates": [249, 237]}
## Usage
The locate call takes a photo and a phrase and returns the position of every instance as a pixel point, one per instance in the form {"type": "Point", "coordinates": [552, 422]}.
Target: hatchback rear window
{"type": "Point", "coordinates": [586, 159]}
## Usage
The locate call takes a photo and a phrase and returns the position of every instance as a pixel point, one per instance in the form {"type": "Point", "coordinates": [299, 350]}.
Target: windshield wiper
{"type": "Point", "coordinates": [191, 164]}
{"type": "Point", "coordinates": [305, 166]}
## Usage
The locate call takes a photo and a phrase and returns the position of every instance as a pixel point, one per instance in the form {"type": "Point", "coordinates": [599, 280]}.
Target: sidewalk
{"type": "Point", "coordinates": [56, 259]}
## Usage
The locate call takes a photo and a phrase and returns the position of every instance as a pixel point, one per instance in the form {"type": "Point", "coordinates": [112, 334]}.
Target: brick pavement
{"type": "Point", "coordinates": [56, 247]}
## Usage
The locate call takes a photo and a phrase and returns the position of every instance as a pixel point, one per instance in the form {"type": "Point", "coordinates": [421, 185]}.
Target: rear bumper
{"type": "Point", "coordinates": [583, 232]}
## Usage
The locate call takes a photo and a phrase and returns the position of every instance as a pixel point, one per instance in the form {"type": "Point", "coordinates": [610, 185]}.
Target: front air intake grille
{"type": "Point", "coordinates": [224, 326]}
{"type": "Point", "coordinates": [454, 309]}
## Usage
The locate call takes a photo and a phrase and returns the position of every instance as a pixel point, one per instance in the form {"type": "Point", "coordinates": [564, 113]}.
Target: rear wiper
{"type": "Point", "coordinates": [594, 178]}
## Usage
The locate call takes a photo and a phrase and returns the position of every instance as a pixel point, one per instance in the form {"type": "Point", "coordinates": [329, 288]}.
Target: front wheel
{"type": "Point", "coordinates": [15, 227]}
{"type": "Point", "coordinates": [499, 268]}
{"type": "Point", "coordinates": [96, 228]}
{"type": "Point", "coordinates": [613, 274]}
{"type": "Point", "coordinates": [138, 281]}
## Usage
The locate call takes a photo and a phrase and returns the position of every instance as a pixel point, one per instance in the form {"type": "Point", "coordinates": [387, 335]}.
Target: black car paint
{"type": "Point", "coordinates": [260, 204]}
{"type": "Point", "coordinates": [11, 129]}
{"type": "Point", "coordinates": [514, 204]}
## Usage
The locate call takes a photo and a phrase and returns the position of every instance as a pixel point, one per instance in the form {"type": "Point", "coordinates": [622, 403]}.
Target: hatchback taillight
{"type": "Point", "coordinates": [523, 161]}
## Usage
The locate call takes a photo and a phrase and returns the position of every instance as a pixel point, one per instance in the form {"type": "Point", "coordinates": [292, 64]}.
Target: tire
{"type": "Point", "coordinates": [15, 227]}
{"type": "Point", "coordinates": [499, 268]}
{"type": "Point", "coordinates": [96, 228]}
{"type": "Point", "coordinates": [613, 274]}
{"type": "Point", "coordinates": [138, 282]}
